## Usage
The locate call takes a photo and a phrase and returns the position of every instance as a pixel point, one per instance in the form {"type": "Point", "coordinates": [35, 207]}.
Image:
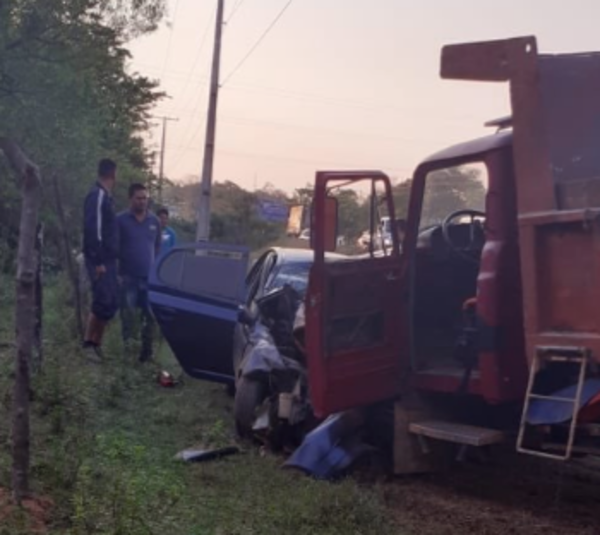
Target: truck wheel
{"type": "Point", "coordinates": [249, 396]}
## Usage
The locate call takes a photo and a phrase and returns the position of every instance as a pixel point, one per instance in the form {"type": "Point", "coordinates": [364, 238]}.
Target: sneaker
{"type": "Point", "coordinates": [92, 352]}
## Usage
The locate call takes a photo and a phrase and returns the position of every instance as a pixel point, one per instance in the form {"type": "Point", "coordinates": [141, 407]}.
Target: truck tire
{"type": "Point", "coordinates": [249, 396]}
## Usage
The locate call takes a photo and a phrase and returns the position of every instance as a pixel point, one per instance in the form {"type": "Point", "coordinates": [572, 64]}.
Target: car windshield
{"type": "Point", "coordinates": [295, 274]}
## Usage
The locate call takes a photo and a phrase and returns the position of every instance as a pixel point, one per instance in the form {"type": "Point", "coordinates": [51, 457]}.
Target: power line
{"type": "Point", "coordinates": [234, 11]}
{"type": "Point", "coordinates": [258, 42]}
{"type": "Point", "coordinates": [303, 161]}
{"type": "Point", "coordinates": [244, 121]}
{"type": "Point", "coordinates": [198, 54]}
{"type": "Point", "coordinates": [168, 54]}
{"type": "Point", "coordinates": [200, 86]}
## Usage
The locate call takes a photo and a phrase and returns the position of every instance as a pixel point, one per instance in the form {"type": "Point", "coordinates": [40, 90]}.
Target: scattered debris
{"type": "Point", "coordinates": [198, 455]}
{"type": "Point", "coordinates": [166, 379]}
{"type": "Point", "coordinates": [332, 447]}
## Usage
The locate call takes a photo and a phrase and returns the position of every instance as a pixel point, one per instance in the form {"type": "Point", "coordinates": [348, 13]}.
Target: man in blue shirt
{"type": "Point", "coordinates": [139, 243]}
{"type": "Point", "coordinates": [100, 250]}
{"type": "Point", "coordinates": [169, 238]}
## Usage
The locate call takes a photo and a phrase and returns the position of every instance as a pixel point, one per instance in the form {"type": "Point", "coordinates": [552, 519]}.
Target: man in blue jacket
{"type": "Point", "coordinates": [140, 241]}
{"type": "Point", "coordinates": [100, 249]}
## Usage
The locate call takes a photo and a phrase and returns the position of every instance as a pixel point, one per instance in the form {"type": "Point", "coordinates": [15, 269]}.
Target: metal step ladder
{"type": "Point", "coordinates": [562, 355]}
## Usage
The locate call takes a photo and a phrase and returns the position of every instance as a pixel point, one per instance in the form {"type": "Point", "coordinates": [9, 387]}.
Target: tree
{"type": "Point", "coordinates": [401, 195]}
{"type": "Point", "coordinates": [353, 213]}
{"type": "Point", "coordinates": [303, 196]}
{"type": "Point", "coordinates": [235, 217]}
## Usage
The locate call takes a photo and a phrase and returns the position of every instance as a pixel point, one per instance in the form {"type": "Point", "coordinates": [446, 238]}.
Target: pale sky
{"type": "Point", "coordinates": [337, 84]}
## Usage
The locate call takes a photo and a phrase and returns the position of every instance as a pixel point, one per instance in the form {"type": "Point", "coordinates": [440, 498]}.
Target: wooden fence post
{"type": "Point", "coordinates": [39, 299]}
{"type": "Point", "coordinates": [29, 175]}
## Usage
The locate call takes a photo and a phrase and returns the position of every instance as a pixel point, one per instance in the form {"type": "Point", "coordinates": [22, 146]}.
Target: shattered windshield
{"type": "Point", "coordinates": [295, 274]}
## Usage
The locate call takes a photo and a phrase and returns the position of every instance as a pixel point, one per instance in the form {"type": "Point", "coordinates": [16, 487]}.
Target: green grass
{"type": "Point", "coordinates": [104, 441]}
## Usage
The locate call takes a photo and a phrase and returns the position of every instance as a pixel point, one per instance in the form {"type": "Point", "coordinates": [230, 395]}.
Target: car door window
{"type": "Point", "coordinates": [266, 271]}
{"type": "Point", "coordinates": [255, 279]}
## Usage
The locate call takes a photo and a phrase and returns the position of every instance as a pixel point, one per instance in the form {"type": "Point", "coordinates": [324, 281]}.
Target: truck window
{"type": "Point", "coordinates": [451, 189]}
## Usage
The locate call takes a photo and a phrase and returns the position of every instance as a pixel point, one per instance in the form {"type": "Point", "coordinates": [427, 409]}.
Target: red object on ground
{"type": "Point", "coordinates": [166, 379]}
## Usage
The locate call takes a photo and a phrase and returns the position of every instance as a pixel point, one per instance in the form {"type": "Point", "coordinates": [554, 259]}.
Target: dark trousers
{"type": "Point", "coordinates": [105, 290]}
{"type": "Point", "coordinates": [134, 300]}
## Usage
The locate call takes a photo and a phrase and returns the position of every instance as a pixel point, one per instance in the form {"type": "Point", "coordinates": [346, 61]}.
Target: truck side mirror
{"type": "Point", "coordinates": [331, 225]}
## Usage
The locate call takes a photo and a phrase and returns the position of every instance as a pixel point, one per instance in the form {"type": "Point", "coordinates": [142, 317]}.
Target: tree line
{"type": "Point", "coordinates": [235, 218]}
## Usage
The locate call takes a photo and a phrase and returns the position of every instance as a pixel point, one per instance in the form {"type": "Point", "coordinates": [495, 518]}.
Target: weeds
{"type": "Point", "coordinates": [104, 442]}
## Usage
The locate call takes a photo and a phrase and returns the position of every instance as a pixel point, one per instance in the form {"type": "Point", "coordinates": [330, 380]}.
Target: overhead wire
{"type": "Point", "coordinates": [258, 42]}
{"type": "Point", "coordinates": [168, 53]}
{"type": "Point", "coordinates": [304, 161]}
{"type": "Point", "coordinates": [234, 11]}
{"type": "Point", "coordinates": [198, 55]}
{"type": "Point", "coordinates": [188, 144]}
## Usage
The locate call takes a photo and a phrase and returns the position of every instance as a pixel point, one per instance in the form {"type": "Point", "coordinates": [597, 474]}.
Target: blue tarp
{"type": "Point", "coordinates": [549, 412]}
{"type": "Point", "coordinates": [329, 449]}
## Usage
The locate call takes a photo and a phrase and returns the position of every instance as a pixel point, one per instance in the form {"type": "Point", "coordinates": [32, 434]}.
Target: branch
{"type": "Point", "coordinates": [21, 164]}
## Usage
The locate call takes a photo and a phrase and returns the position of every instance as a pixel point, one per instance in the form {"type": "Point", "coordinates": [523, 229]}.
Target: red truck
{"type": "Point", "coordinates": [525, 284]}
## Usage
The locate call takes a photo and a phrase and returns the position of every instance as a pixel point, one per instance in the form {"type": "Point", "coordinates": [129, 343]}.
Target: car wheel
{"type": "Point", "coordinates": [249, 396]}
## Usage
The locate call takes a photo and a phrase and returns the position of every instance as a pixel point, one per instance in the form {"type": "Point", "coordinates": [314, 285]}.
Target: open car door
{"type": "Point", "coordinates": [355, 331]}
{"type": "Point", "coordinates": [195, 293]}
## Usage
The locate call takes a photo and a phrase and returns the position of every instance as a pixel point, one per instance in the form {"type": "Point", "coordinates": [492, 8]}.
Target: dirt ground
{"type": "Point", "coordinates": [513, 494]}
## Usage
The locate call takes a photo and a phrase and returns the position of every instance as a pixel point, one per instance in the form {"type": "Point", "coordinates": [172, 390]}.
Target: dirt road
{"type": "Point", "coordinates": [514, 495]}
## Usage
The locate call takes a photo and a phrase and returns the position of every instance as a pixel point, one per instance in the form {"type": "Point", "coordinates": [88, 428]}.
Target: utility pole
{"type": "Point", "coordinates": [161, 172]}
{"type": "Point", "coordinates": [203, 229]}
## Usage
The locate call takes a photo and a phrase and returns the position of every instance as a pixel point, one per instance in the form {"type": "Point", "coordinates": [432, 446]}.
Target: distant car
{"type": "Point", "coordinates": [202, 325]}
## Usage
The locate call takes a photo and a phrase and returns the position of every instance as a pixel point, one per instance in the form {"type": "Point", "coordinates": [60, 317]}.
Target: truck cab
{"type": "Point", "coordinates": [451, 257]}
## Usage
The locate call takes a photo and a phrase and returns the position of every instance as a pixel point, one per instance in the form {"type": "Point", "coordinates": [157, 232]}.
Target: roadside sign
{"type": "Point", "coordinates": [273, 211]}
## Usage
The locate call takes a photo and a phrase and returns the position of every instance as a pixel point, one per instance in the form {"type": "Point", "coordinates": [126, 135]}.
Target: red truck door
{"type": "Point", "coordinates": [355, 333]}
